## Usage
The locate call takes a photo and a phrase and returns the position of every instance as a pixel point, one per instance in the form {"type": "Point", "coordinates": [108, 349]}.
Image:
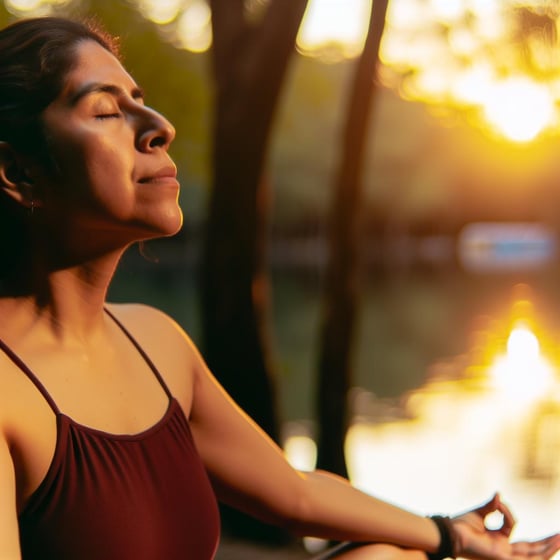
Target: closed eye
{"type": "Point", "coordinates": [108, 116]}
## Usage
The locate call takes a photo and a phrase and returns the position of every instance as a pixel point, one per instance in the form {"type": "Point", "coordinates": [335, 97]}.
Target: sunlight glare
{"type": "Point", "coordinates": [433, 83]}
{"type": "Point", "coordinates": [519, 108]}
{"type": "Point", "coordinates": [474, 84]}
{"type": "Point", "coordinates": [436, 48]}
{"type": "Point", "coordinates": [522, 346]}
{"type": "Point", "coordinates": [448, 10]}
{"type": "Point", "coordinates": [490, 25]}
{"type": "Point", "coordinates": [463, 42]}
{"type": "Point", "coordinates": [408, 14]}
{"type": "Point", "coordinates": [465, 434]}
{"type": "Point", "coordinates": [522, 373]}
{"type": "Point", "coordinates": [334, 21]}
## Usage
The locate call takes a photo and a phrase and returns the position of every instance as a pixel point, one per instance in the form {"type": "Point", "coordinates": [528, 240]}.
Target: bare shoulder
{"type": "Point", "coordinates": [168, 346]}
{"type": "Point", "coordinates": [147, 320]}
{"type": "Point", "coordinates": [141, 312]}
{"type": "Point", "coordinates": [153, 325]}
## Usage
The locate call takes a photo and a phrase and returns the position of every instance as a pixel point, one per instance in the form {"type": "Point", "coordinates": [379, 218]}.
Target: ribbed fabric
{"type": "Point", "coordinates": [128, 497]}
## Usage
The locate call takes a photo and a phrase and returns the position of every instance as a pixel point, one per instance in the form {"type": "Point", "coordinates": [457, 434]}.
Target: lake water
{"type": "Point", "coordinates": [448, 405]}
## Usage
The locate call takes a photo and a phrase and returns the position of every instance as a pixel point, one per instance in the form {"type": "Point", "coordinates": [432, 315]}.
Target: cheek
{"type": "Point", "coordinates": [109, 168]}
{"type": "Point", "coordinates": [108, 185]}
{"type": "Point", "coordinates": [96, 173]}
{"type": "Point", "coordinates": [85, 156]}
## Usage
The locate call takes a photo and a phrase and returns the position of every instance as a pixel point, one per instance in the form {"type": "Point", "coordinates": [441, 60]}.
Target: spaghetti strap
{"type": "Point", "coordinates": [30, 375]}
{"type": "Point", "coordinates": [41, 388]}
{"type": "Point", "coordinates": [142, 353]}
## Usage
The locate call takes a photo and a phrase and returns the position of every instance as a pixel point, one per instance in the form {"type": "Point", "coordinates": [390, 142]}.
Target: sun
{"type": "Point", "coordinates": [519, 108]}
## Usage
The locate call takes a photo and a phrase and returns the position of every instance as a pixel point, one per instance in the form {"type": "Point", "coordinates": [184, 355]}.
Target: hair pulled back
{"type": "Point", "coordinates": [36, 55]}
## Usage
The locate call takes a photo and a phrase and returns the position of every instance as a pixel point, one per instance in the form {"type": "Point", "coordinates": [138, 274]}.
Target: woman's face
{"type": "Point", "coordinates": [112, 179]}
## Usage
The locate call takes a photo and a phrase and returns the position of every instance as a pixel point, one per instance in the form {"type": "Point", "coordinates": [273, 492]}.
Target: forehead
{"type": "Point", "coordinates": [92, 64]}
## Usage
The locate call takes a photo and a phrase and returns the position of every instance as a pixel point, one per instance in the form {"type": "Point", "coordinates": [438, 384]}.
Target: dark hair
{"type": "Point", "coordinates": [36, 55]}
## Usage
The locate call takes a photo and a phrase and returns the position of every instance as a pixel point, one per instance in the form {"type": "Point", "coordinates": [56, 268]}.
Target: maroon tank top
{"type": "Point", "coordinates": [128, 497]}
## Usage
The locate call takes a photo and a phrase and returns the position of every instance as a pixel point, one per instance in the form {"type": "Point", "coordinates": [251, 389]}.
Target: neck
{"type": "Point", "coordinates": [69, 301]}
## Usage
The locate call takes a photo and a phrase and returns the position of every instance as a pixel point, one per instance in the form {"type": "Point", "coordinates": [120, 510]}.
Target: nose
{"type": "Point", "coordinates": [155, 131]}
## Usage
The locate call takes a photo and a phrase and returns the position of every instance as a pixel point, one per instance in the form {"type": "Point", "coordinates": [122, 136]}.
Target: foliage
{"type": "Point", "coordinates": [417, 164]}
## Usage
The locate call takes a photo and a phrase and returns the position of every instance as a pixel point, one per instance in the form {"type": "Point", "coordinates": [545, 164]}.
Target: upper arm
{"type": "Point", "coordinates": [248, 469]}
{"type": "Point", "coordinates": [9, 534]}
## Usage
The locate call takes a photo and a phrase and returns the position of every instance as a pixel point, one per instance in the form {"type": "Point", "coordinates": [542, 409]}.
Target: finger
{"type": "Point", "coordinates": [509, 520]}
{"type": "Point", "coordinates": [496, 505]}
{"type": "Point", "coordinates": [552, 545]}
{"type": "Point", "coordinates": [490, 506]}
{"type": "Point", "coordinates": [541, 549]}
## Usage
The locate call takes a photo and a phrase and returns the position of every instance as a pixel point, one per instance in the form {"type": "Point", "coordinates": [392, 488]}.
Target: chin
{"type": "Point", "coordinates": [169, 224]}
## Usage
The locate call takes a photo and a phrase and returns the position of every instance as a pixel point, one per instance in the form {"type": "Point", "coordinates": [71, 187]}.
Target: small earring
{"type": "Point", "coordinates": [32, 208]}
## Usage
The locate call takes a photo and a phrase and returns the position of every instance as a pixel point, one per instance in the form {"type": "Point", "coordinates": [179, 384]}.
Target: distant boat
{"type": "Point", "coordinates": [502, 246]}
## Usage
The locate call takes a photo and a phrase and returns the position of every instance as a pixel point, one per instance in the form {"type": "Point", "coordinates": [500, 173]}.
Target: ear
{"type": "Point", "coordinates": [15, 179]}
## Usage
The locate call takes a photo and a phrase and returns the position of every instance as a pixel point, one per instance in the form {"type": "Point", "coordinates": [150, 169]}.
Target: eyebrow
{"type": "Point", "coordinates": [96, 87]}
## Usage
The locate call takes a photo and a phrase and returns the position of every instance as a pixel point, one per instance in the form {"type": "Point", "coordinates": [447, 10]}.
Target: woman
{"type": "Point", "coordinates": [114, 436]}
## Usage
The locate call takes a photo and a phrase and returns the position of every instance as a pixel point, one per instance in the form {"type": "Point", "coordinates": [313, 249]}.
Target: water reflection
{"type": "Point", "coordinates": [522, 374]}
{"type": "Point", "coordinates": [467, 432]}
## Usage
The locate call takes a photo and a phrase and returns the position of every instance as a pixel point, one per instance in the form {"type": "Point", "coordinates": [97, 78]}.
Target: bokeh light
{"type": "Point", "coordinates": [328, 22]}
{"type": "Point", "coordinates": [301, 452]}
{"type": "Point", "coordinates": [194, 27]}
{"type": "Point", "coordinates": [32, 7]}
{"type": "Point", "coordinates": [23, 5]}
{"type": "Point", "coordinates": [483, 59]}
{"type": "Point", "coordinates": [160, 11]}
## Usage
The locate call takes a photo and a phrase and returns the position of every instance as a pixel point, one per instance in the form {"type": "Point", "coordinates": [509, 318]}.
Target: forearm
{"type": "Point", "coordinates": [250, 473]}
{"type": "Point", "coordinates": [333, 509]}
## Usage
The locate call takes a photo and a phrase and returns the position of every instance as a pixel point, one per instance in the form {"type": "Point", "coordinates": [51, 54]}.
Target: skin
{"type": "Point", "coordinates": [114, 184]}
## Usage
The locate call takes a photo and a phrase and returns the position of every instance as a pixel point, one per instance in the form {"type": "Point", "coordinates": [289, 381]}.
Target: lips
{"type": "Point", "coordinates": [163, 175]}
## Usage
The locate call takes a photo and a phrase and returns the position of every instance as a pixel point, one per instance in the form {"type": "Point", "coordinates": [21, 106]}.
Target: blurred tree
{"type": "Point", "coordinates": [342, 269]}
{"type": "Point", "coordinates": [250, 58]}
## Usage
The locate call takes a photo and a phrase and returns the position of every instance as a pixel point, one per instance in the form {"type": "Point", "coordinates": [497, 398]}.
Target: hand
{"type": "Point", "coordinates": [474, 540]}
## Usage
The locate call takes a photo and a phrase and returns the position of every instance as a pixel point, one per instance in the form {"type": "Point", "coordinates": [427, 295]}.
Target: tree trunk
{"type": "Point", "coordinates": [249, 64]}
{"type": "Point", "coordinates": [342, 276]}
